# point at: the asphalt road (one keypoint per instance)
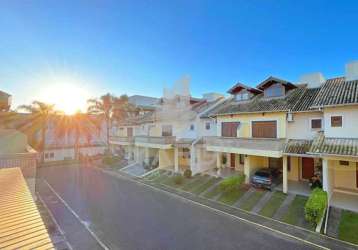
(128, 215)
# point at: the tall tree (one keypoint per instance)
(41, 112)
(76, 127)
(102, 106)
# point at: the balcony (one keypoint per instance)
(249, 146)
(163, 142)
(121, 140)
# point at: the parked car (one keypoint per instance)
(264, 178)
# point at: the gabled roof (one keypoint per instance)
(260, 104)
(337, 91)
(306, 100)
(270, 80)
(239, 86)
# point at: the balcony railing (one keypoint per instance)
(155, 139)
(121, 139)
(247, 143)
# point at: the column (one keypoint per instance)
(218, 159)
(136, 152)
(228, 160)
(176, 160)
(193, 160)
(284, 174)
(247, 169)
(325, 176)
(146, 155)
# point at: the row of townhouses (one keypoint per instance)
(302, 129)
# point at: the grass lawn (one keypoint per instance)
(230, 197)
(161, 178)
(203, 187)
(170, 182)
(196, 181)
(296, 210)
(249, 204)
(348, 227)
(216, 191)
(154, 174)
(273, 204)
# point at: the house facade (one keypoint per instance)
(302, 130)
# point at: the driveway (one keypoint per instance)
(127, 215)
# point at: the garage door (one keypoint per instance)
(264, 129)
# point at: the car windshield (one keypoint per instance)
(262, 174)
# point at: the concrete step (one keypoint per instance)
(284, 207)
(262, 202)
(334, 218)
(244, 197)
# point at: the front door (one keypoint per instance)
(232, 160)
(307, 168)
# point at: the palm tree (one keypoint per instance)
(79, 125)
(103, 107)
(41, 112)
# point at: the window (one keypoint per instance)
(336, 121)
(242, 96)
(167, 130)
(229, 129)
(52, 155)
(192, 127)
(264, 129)
(274, 90)
(129, 132)
(344, 163)
(46, 155)
(316, 123)
(207, 125)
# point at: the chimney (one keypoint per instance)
(212, 96)
(352, 71)
(314, 80)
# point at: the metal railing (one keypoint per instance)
(155, 139)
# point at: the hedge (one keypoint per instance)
(315, 206)
(231, 182)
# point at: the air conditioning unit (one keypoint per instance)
(290, 117)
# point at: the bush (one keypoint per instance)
(315, 206)
(231, 183)
(110, 160)
(178, 179)
(187, 173)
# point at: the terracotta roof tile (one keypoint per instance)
(337, 91)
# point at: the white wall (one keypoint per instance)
(349, 127)
(300, 128)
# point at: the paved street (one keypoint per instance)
(127, 215)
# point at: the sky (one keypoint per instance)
(89, 48)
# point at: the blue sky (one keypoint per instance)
(137, 47)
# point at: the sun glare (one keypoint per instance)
(67, 97)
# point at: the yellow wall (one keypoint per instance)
(294, 173)
(245, 122)
(155, 130)
(343, 176)
(166, 158)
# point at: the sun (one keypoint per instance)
(68, 97)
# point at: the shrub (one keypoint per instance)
(231, 183)
(187, 173)
(178, 179)
(315, 206)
